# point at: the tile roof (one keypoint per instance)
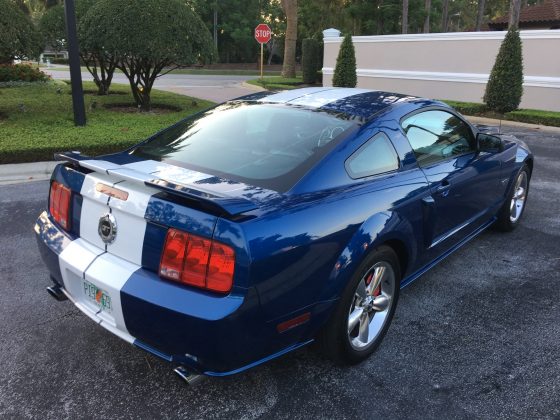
(548, 11)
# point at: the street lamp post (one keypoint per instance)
(74, 61)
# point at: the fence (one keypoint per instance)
(452, 65)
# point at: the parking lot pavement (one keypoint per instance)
(478, 336)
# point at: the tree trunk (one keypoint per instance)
(380, 27)
(289, 66)
(427, 7)
(405, 16)
(445, 15)
(480, 14)
(514, 9)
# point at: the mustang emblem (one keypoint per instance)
(107, 228)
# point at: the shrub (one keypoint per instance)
(21, 73)
(505, 86)
(18, 36)
(148, 38)
(310, 61)
(345, 70)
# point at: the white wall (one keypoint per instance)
(453, 65)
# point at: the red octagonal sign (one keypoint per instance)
(263, 33)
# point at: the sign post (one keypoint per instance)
(262, 35)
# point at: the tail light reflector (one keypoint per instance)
(197, 261)
(59, 204)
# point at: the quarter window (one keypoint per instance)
(437, 135)
(377, 156)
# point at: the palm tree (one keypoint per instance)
(290, 10)
(480, 14)
(514, 9)
(405, 16)
(427, 7)
(444, 15)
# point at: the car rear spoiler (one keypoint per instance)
(230, 206)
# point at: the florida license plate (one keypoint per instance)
(97, 296)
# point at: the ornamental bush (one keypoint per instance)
(18, 36)
(148, 37)
(310, 60)
(21, 73)
(505, 86)
(345, 70)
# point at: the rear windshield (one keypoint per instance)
(265, 145)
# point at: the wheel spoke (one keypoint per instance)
(378, 274)
(363, 333)
(354, 318)
(381, 303)
(361, 290)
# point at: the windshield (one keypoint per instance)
(266, 145)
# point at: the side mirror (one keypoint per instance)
(488, 143)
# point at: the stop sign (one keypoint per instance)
(262, 33)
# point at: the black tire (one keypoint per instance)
(505, 221)
(334, 339)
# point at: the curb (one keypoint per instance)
(252, 87)
(491, 121)
(15, 173)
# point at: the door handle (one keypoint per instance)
(443, 189)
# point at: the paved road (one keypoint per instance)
(477, 337)
(212, 88)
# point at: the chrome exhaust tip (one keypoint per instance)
(56, 292)
(189, 378)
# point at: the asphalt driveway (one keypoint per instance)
(477, 337)
(217, 88)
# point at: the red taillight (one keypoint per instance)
(197, 261)
(59, 204)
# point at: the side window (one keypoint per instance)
(437, 135)
(374, 157)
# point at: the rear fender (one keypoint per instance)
(375, 231)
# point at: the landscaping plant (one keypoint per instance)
(345, 70)
(18, 37)
(310, 60)
(149, 37)
(505, 86)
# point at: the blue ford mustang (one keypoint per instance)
(264, 223)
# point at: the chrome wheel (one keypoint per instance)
(371, 305)
(518, 198)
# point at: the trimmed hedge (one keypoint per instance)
(21, 73)
(310, 60)
(505, 86)
(533, 116)
(345, 70)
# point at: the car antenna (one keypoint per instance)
(500, 127)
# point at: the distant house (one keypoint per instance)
(545, 15)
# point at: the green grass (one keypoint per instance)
(531, 116)
(278, 83)
(36, 120)
(207, 72)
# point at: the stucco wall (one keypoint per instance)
(451, 65)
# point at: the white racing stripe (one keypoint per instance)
(94, 272)
(109, 274)
(94, 205)
(131, 225)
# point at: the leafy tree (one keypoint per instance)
(505, 86)
(51, 27)
(99, 62)
(18, 36)
(149, 37)
(345, 70)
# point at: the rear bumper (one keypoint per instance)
(213, 335)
